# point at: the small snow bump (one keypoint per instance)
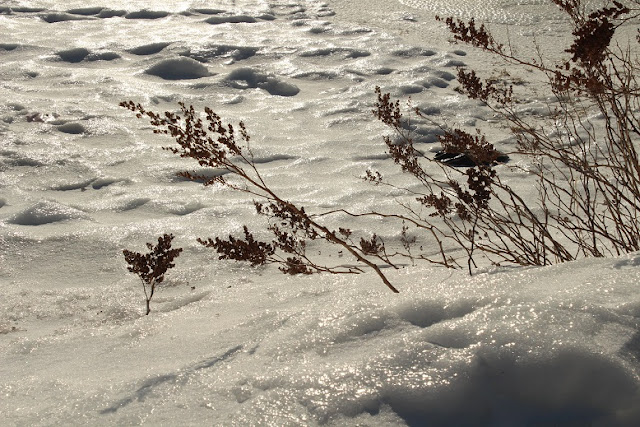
(8, 46)
(410, 89)
(149, 49)
(73, 128)
(74, 55)
(445, 75)
(103, 56)
(46, 212)
(453, 63)
(179, 69)
(52, 18)
(413, 52)
(248, 78)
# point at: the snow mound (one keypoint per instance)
(505, 348)
(179, 69)
(73, 128)
(9, 46)
(103, 56)
(248, 78)
(74, 55)
(47, 212)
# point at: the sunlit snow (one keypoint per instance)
(81, 179)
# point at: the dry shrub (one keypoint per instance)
(588, 177)
(213, 144)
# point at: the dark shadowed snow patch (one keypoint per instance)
(73, 55)
(99, 183)
(205, 11)
(52, 18)
(103, 56)
(110, 13)
(80, 185)
(179, 69)
(46, 212)
(247, 78)
(149, 49)
(26, 9)
(86, 11)
(413, 52)
(8, 46)
(233, 19)
(434, 81)
(410, 89)
(72, 128)
(316, 75)
(146, 14)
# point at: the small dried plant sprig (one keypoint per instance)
(152, 266)
(212, 144)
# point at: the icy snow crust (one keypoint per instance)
(225, 344)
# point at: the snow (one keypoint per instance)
(227, 344)
(179, 69)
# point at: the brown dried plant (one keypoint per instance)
(588, 178)
(212, 144)
(151, 267)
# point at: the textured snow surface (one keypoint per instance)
(225, 344)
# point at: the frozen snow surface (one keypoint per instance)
(226, 344)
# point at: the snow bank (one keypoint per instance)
(546, 346)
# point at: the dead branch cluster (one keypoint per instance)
(587, 176)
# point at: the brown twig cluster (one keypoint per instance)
(151, 267)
